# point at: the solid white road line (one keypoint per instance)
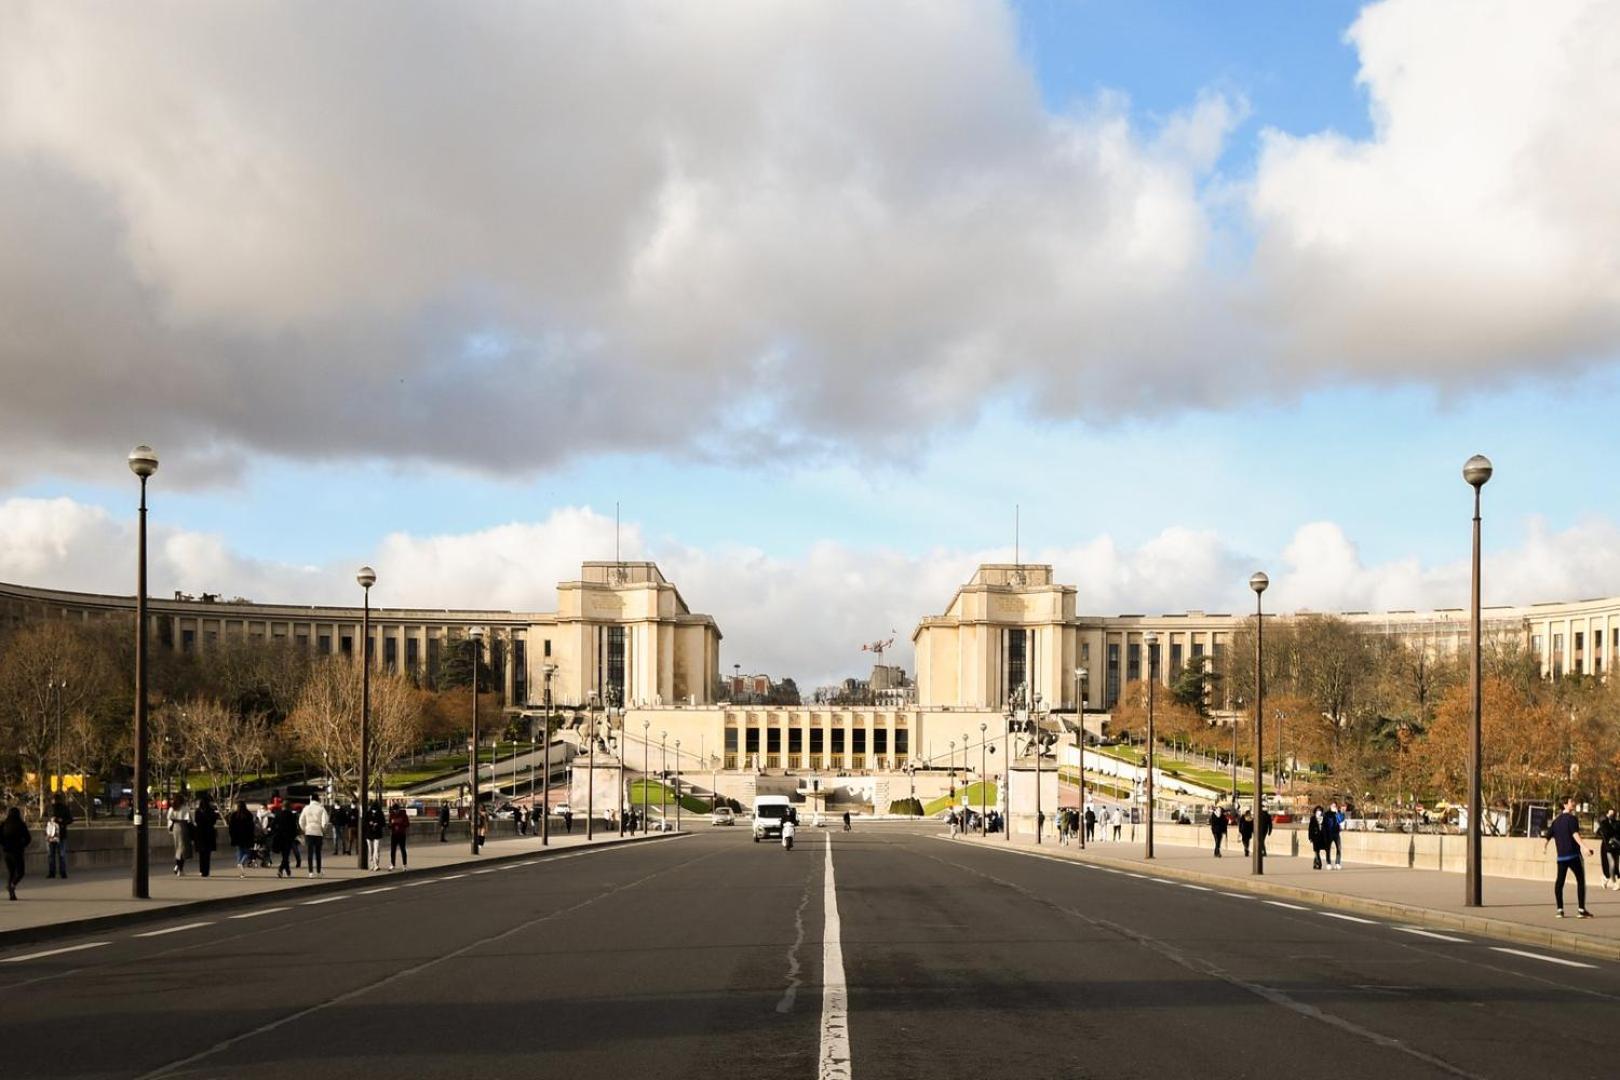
(261, 911)
(835, 1063)
(1432, 934)
(1539, 956)
(325, 900)
(174, 929)
(1349, 918)
(380, 888)
(54, 952)
(1290, 907)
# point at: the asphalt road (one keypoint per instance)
(707, 955)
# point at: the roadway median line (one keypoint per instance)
(256, 914)
(1285, 904)
(1432, 934)
(1349, 918)
(1539, 956)
(835, 1062)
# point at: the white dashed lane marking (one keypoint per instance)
(1290, 907)
(174, 929)
(378, 889)
(1432, 934)
(324, 900)
(261, 911)
(1539, 956)
(54, 952)
(1349, 918)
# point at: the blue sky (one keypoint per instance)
(1241, 306)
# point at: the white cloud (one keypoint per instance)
(1474, 231)
(805, 616)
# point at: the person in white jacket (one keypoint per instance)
(313, 822)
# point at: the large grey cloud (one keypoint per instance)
(498, 235)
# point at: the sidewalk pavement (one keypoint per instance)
(1514, 910)
(91, 900)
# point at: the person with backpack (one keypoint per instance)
(182, 828)
(399, 833)
(14, 841)
(372, 827)
(312, 822)
(240, 827)
(205, 838)
(57, 847)
(283, 836)
(1246, 830)
(1608, 830)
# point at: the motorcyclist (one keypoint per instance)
(788, 829)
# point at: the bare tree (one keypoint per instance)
(325, 722)
(49, 672)
(227, 744)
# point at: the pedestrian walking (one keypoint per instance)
(1091, 823)
(1565, 831)
(568, 820)
(950, 819)
(1335, 824)
(205, 822)
(1264, 830)
(372, 828)
(339, 815)
(444, 822)
(182, 829)
(351, 828)
(1608, 830)
(240, 827)
(1217, 827)
(1316, 831)
(846, 821)
(1246, 830)
(283, 836)
(57, 849)
(481, 823)
(14, 841)
(1116, 818)
(399, 832)
(312, 822)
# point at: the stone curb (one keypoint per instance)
(1499, 929)
(28, 935)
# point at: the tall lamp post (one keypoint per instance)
(143, 462)
(663, 778)
(477, 636)
(1006, 774)
(1034, 713)
(984, 781)
(1258, 581)
(1080, 745)
(677, 785)
(590, 769)
(950, 770)
(1151, 640)
(367, 577)
(545, 783)
(1477, 471)
(646, 737)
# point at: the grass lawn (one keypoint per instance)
(663, 797)
(977, 794)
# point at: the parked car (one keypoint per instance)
(722, 816)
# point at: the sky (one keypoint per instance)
(820, 295)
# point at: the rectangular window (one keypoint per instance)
(1154, 654)
(838, 740)
(325, 641)
(301, 639)
(859, 735)
(210, 636)
(795, 740)
(432, 676)
(391, 654)
(751, 741)
(880, 741)
(411, 657)
(615, 663)
(1198, 650)
(346, 644)
(902, 741)
(731, 740)
(1580, 642)
(188, 640)
(520, 670)
(1085, 652)
(1175, 659)
(817, 741)
(1016, 667)
(1133, 662)
(773, 740)
(1113, 674)
(548, 647)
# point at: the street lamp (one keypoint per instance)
(677, 785)
(984, 782)
(590, 768)
(663, 779)
(367, 577)
(477, 636)
(1151, 640)
(965, 793)
(1034, 713)
(646, 724)
(143, 462)
(950, 771)
(545, 797)
(1080, 744)
(1006, 773)
(1258, 581)
(1477, 471)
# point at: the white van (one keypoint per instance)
(769, 813)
